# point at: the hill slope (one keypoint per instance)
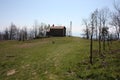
(65, 58)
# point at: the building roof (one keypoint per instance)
(57, 27)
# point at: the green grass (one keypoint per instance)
(66, 59)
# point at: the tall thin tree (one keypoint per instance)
(91, 38)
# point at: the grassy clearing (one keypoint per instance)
(65, 59)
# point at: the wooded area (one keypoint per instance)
(104, 26)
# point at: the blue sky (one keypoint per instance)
(58, 12)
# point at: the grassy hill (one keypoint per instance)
(59, 58)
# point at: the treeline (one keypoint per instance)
(16, 33)
(104, 26)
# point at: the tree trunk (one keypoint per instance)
(87, 34)
(96, 31)
(100, 38)
(91, 62)
(118, 35)
(103, 42)
(99, 43)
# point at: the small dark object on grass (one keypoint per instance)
(53, 42)
(10, 56)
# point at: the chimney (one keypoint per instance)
(53, 25)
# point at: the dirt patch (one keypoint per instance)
(115, 51)
(26, 66)
(46, 72)
(11, 72)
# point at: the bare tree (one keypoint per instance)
(104, 19)
(12, 31)
(115, 23)
(91, 37)
(1, 36)
(23, 35)
(41, 28)
(44, 29)
(104, 34)
(117, 6)
(85, 22)
(100, 26)
(31, 34)
(96, 23)
(116, 18)
(6, 34)
(35, 28)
